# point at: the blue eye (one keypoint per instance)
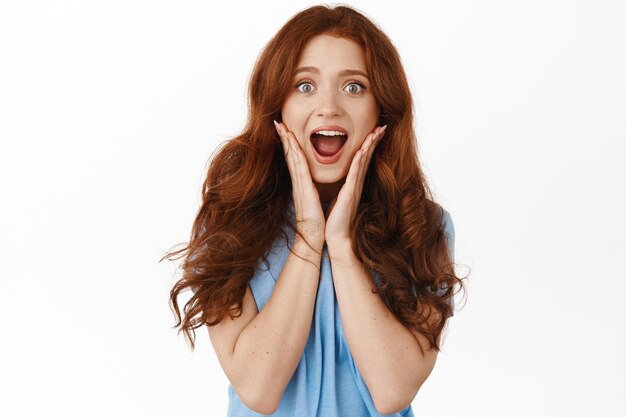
(362, 87)
(359, 84)
(303, 83)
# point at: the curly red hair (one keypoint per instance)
(399, 230)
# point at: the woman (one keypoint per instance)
(344, 314)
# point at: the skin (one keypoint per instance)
(328, 98)
(261, 358)
(388, 355)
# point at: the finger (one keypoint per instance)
(305, 172)
(353, 173)
(291, 161)
(281, 137)
(298, 164)
(364, 159)
(358, 188)
(297, 175)
(289, 156)
(375, 140)
(374, 143)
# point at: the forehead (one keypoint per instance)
(325, 51)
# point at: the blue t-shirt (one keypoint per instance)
(326, 382)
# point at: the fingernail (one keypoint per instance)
(280, 130)
(379, 134)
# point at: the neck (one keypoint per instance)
(329, 191)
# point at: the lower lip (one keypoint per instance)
(328, 159)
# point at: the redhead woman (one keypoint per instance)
(318, 260)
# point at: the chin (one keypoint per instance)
(331, 177)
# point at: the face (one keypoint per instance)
(321, 95)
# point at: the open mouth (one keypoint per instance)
(328, 145)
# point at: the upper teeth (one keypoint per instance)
(330, 132)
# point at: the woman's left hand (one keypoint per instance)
(342, 209)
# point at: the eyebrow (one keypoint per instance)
(341, 73)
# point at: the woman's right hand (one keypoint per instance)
(310, 219)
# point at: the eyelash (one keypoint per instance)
(351, 82)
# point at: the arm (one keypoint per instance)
(262, 359)
(386, 352)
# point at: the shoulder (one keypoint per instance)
(448, 228)
(448, 224)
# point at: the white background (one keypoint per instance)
(110, 110)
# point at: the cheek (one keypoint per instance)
(292, 117)
(361, 140)
(297, 132)
(367, 121)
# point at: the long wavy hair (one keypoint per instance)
(398, 231)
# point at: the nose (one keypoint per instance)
(329, 105)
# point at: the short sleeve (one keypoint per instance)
(448, 227)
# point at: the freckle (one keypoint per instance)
(267, 353)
